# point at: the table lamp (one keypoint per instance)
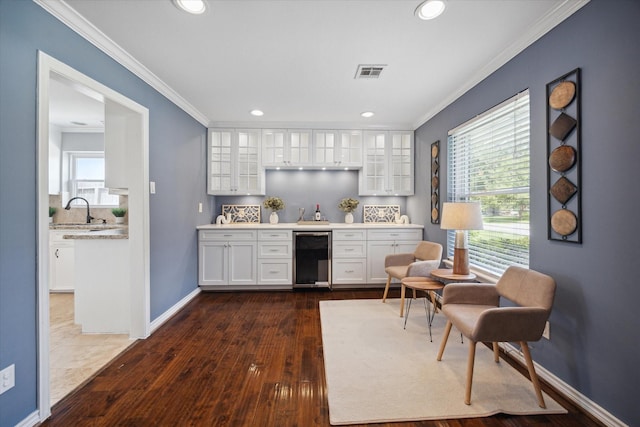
(461, 216)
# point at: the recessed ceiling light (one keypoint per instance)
(367, 114)
(257, 113)
(430, 9)
(195, 7)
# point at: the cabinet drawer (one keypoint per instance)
(349, 271)
(228, 235)
(275, 249)
(397, 234)
(267, 235)
(349, 235)
(275, 272)
(343, 249)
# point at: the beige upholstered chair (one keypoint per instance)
(425, 258)
(474, 309)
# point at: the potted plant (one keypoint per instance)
(52, 212)
(275, 204)
(348, 205)
(119, 213)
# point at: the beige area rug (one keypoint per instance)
(378, 372)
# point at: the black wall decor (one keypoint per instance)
(435, 182)
(564, 207)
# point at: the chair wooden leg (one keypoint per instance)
(472, 357)
(496, 352)
(386, 289)
(403, 290)
(445, 337)
(532, 373)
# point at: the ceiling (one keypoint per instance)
(296, 59)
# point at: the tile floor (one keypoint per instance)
(75, 356)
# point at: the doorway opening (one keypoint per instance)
(128, 126)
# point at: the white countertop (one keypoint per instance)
(296, 226)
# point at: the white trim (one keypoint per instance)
(553, 18)
(31, 420)
(139, 222)
(72, 19)
(160, 320)
(566, 390)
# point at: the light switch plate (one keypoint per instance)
(7, 378)
(152, 187)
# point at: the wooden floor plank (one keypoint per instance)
(238, 359)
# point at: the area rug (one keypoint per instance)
(376, 371)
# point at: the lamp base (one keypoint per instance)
(460, 261)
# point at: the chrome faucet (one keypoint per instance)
(89, 217)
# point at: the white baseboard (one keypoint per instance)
(33, 419)
(159, 321)
(580, 400)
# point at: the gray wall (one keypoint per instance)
(176, 153)
(305, 189)
(595, 319)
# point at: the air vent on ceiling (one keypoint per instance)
(368, 71)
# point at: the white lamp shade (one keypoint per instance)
(461, 216)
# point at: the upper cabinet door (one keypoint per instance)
(299, 146)
(250, 173)
(349, 153)
(234, 162)
(121, 127)
(388, 164)
(273, 147)
(325, 146)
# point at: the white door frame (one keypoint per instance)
(138, 218)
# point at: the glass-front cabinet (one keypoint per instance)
(234, 162)
(388, 164)
(286, 148)
(337, 148)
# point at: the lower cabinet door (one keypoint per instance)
(213, 262)
(242, 263)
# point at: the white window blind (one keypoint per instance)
(488, 162)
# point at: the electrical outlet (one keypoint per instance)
(545, 333)
(7, 378)
(200, 207)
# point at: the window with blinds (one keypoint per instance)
(488, 162)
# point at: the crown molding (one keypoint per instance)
(72, 19)
(552, 19)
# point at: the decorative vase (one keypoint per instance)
(348, 218)
(273, 218)
(50, 220)
(119, 220)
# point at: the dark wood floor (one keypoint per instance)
(236, 359)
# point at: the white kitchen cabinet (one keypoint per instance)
(286, 148)
(61, 262)
(383, 242)
(388, 164)
(337, 148)
(235, 162)
(275, 258)
(227, 258)
(349, 257)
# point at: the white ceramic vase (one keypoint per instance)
(273, 218)
(348, 218)
(119, 220)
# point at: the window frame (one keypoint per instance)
(505, 239)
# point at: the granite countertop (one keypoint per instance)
(92, 231)
(308, 225)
